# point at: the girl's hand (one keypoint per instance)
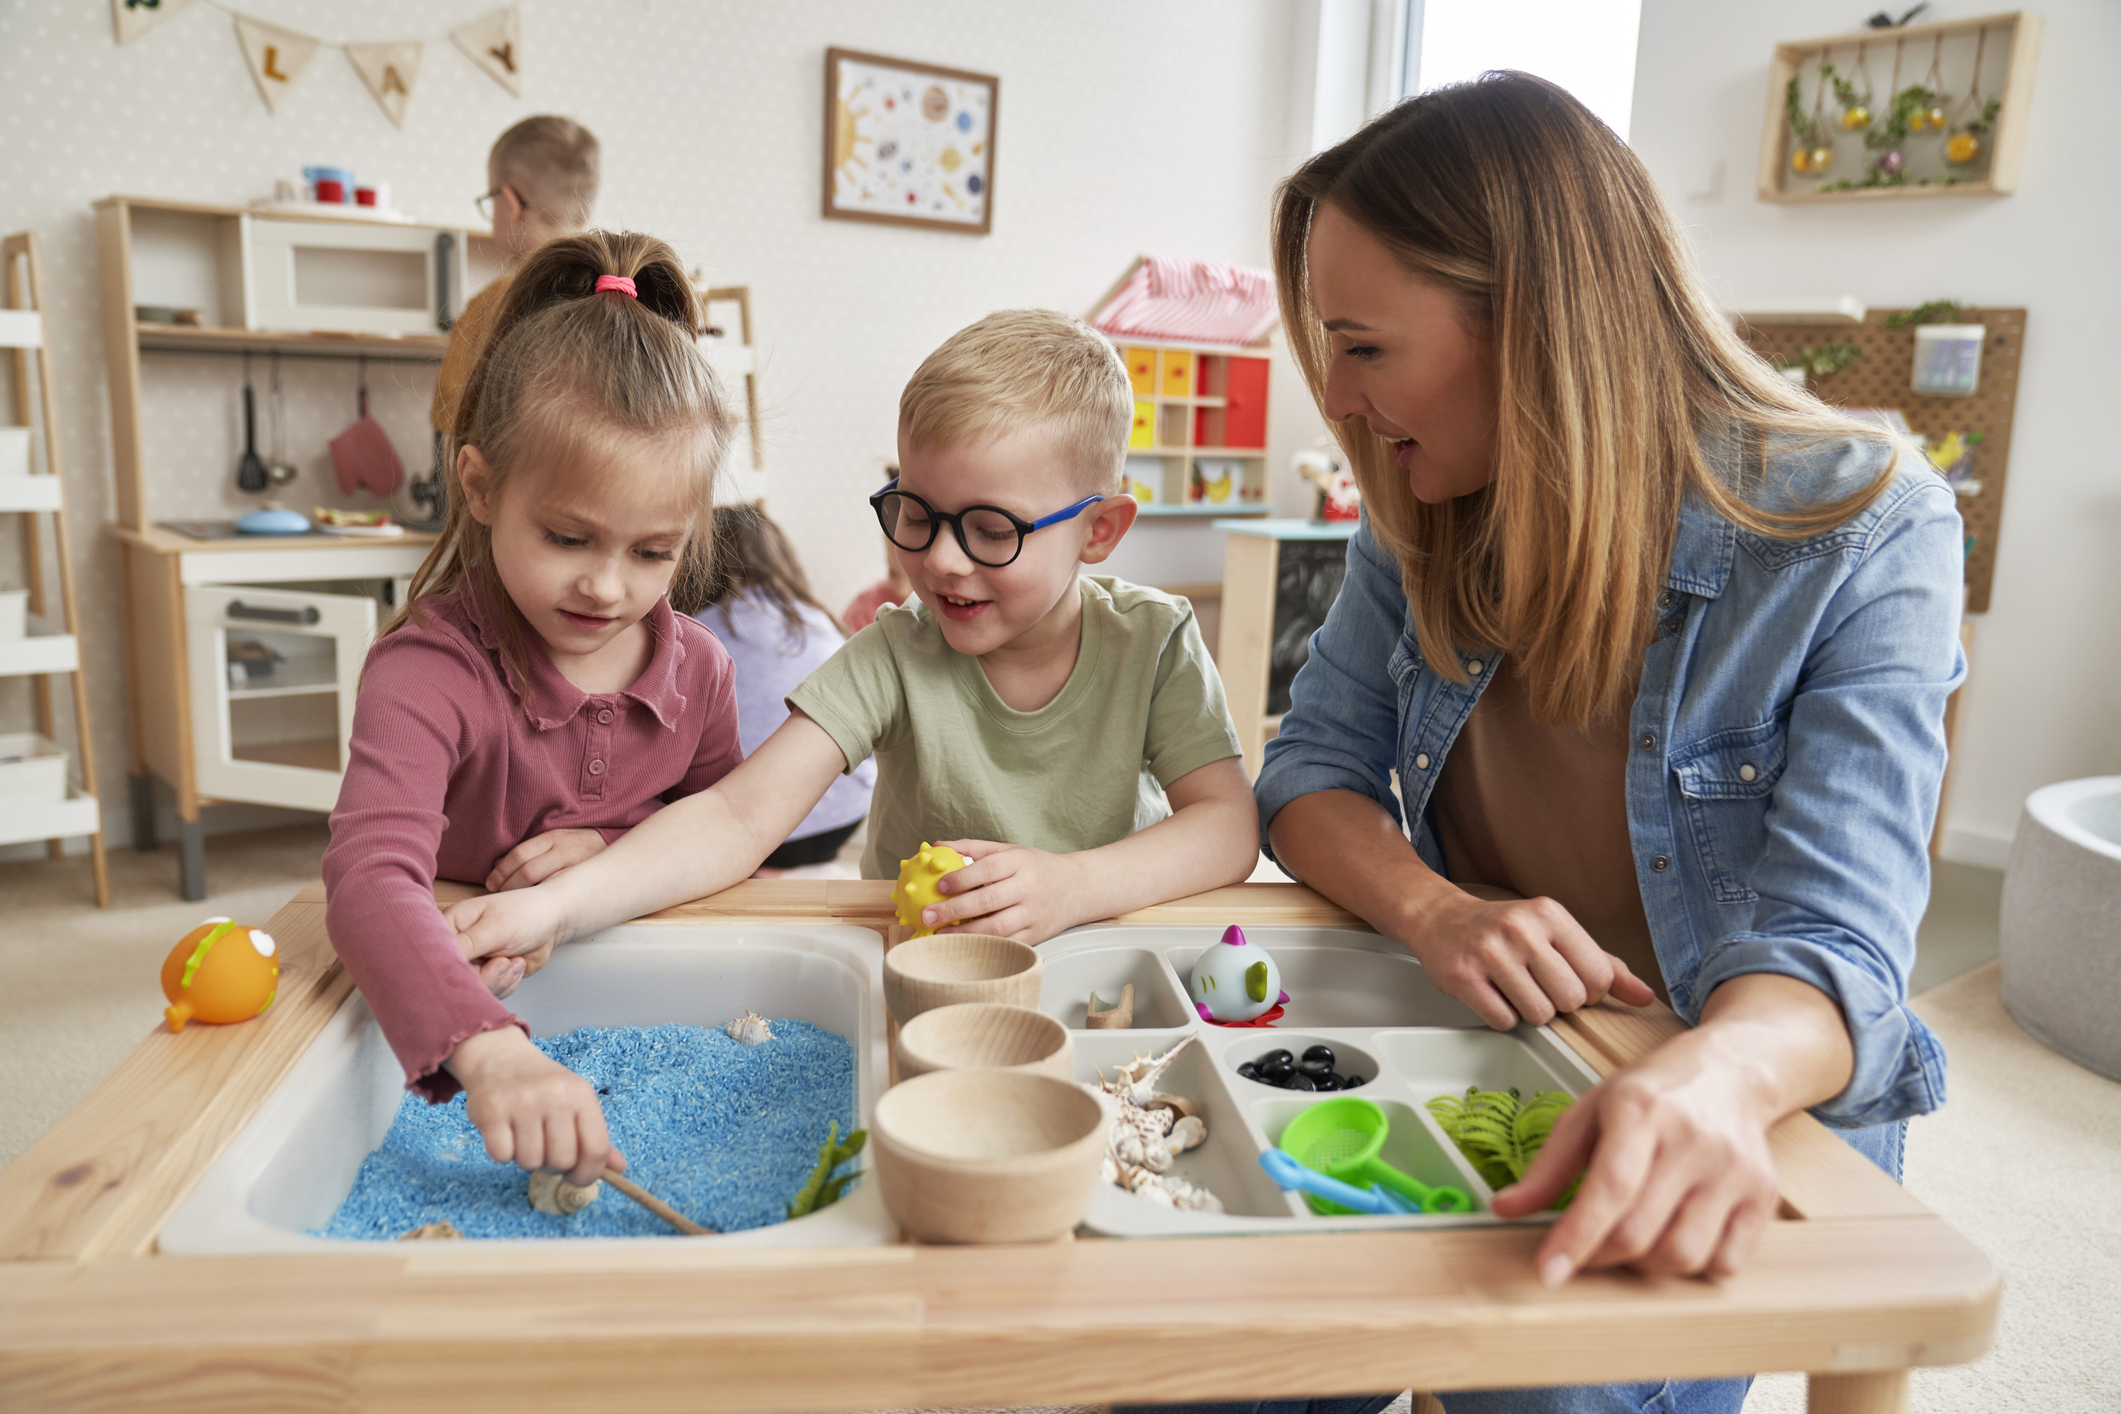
(541, 856)
(1524, 959)
(506, 936)
(1008, 890)
(532, 1110)
(1677, 1174)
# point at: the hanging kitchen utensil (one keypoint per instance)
(363, 456)
(251, 477)
(277, 466)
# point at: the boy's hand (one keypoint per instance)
(1007, 890)
(506, 936)
(541, 856)
(532, 1110)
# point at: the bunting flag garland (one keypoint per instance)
(277, 57)
(494, 42)
(390, 71)
(133, 18)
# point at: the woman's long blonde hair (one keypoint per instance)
(1613, 368)
(566, 365)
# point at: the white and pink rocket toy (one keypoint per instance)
(1235, 981)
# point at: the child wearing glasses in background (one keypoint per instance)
(1066, 732)
(541, 180)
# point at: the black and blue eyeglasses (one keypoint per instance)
(988, 535)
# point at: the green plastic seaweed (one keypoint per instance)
(822, 1189)
(1499, 1130)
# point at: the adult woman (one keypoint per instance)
(1651, 639)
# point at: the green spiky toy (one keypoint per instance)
(822, 1190)
(1500, 1131)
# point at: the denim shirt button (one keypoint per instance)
(1648, 741)
(1421, 761)
(1664, 599)
(1473, 667)
(1660, 863)
(1747, 772)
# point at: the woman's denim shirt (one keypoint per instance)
(1786, 747)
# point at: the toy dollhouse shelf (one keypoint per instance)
(177, 338)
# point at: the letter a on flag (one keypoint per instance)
(390, 71)
(494, 41)
(276, 57)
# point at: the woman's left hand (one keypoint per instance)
(1677, 1178)
(1007, 890)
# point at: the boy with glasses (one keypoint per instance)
(1065, 732)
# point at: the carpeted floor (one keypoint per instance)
(2026, 1159)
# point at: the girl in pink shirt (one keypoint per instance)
(544, 689)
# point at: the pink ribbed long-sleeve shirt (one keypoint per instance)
(447, 773)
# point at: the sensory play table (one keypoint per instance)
(1854, 1283)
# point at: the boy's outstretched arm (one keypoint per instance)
(1211, 839)
(691, 848)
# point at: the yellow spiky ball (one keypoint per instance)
(917, 880)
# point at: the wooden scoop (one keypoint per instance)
(551, 1193)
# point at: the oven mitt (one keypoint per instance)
(364, 459)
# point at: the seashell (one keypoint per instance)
(1156, 1158)
(552, 1193)
(1188, 1133)
(1178, 1104)
(749, 1029)
(1117, 1017)
(430, 1232)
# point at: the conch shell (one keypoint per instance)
(1149, 1131)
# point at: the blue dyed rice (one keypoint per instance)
(724, 1133)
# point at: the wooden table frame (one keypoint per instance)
(1855, 1283)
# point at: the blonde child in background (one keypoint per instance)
(777, 634)
(541, 184)
(538, 685)
(1066, 732)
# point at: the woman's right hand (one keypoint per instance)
(1515, 959)
(531, 1110)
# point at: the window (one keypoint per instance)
(1586, 46)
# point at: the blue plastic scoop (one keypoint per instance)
(1291, 1176)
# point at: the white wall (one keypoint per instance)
(1124, 128)
(2044, 700)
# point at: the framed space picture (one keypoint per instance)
(909, 144)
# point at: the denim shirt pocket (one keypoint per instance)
(1728, 782)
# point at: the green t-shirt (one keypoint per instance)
(1143, 707)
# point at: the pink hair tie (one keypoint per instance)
(616, 282)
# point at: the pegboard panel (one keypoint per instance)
(1881, 379)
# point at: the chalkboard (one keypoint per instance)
(1306, 583)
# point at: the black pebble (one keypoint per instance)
(1328, 1082)
(1350, 1082)
(1316, 1069)
(1320, 1053)
(1249, 1071)
(1273, 1059)
(1299, 1081)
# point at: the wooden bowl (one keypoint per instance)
(944, 969)
(984, 1036)
(988, 1155)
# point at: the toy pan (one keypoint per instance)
(1361, 994)
(294, 1163)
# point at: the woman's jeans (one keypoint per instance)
(1882, 1144)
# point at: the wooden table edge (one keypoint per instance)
(79, 1210)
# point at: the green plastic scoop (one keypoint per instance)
(1342, 1139)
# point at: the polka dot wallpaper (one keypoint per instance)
(1123, 128)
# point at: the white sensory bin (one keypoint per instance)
(289, 1168)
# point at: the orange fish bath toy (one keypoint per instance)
(220, 972)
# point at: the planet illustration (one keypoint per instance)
(935, 104)
(974, 185)
(964, 122)
(949, 160)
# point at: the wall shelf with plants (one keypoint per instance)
(1914, 111)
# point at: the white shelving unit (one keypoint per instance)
(39, 804)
